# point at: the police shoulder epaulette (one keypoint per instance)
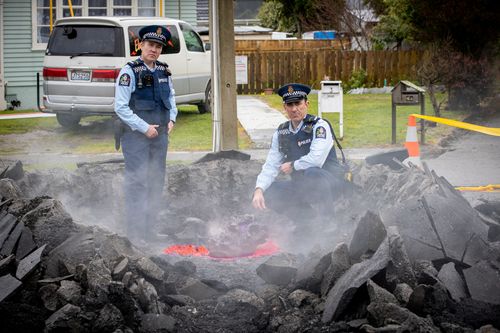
(137, 66)
(284, 125)
(161, 63)
(163, 67)
(135, 63)
(311, 119)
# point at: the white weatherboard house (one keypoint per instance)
(25, 29)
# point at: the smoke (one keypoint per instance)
(204, 204)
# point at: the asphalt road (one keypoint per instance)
(473, 159)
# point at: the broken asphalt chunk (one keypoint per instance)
(346, 286)
(8, 285)
(11, 241)
(29, 263)
(483, 282)
(279, 269)
(7, 223)
(453, 282)
(340, 263)
(369, 233)
(25, 244)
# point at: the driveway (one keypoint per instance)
(472, 160)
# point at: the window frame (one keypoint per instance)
(58, 6)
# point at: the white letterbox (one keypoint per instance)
(330, 99)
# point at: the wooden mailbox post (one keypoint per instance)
(407, 93)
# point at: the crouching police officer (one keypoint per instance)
(303, 148)
(145, 103)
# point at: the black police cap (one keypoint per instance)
(155, 33)
(294, 92)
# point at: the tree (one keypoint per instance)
(393, 27)
(271, 16)
(471, 27)
(462, 38)
(287, 15)
(310, 15)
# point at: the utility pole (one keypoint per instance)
(224, 117)
(3, 104)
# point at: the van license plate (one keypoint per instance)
(80, 76)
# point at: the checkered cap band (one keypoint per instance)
(295, 94)
(154, 35)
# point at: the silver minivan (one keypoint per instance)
(84, 56)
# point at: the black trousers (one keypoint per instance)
(309, 193)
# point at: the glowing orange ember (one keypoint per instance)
(265, 249)
(187, 250)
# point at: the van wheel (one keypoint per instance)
(206, 105)
(68, 120)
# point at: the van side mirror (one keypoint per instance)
(208, 46)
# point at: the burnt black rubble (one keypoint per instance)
(404, 252)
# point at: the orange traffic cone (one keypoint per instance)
(411, 143)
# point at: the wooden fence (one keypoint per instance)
(273, 69)
(243, 46)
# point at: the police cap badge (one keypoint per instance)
(293, 92)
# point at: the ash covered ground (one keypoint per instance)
(402, 252)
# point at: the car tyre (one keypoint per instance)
(205, 106)
(68, 120)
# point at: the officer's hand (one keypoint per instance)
(151, 133)
(170, 126)
(286, 168)
(258, 200)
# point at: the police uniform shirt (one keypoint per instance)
(122, 99)
(320, 148)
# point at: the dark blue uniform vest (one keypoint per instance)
(150, 100)
(296, 145)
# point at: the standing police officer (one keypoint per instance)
(145, 102)
(303, 148)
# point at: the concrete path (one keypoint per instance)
(472, 160)
(259, 120)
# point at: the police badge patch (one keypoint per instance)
(320, 132)
(124, 80)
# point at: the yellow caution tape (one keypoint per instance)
(486, 188)
(482, 129)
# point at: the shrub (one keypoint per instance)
(357, 80)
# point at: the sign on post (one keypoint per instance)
(241, 62)
(330, 99)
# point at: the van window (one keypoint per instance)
(88, 40)
(173, 45)
(193, 41)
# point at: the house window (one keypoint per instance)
(61, 8)
(146, 8)
(76, 5)
(98, 7)
(122, 7)
(43, 20)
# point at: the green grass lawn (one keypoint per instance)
(17, 111)
(368, 119)
(367, 123)
(192, 131)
